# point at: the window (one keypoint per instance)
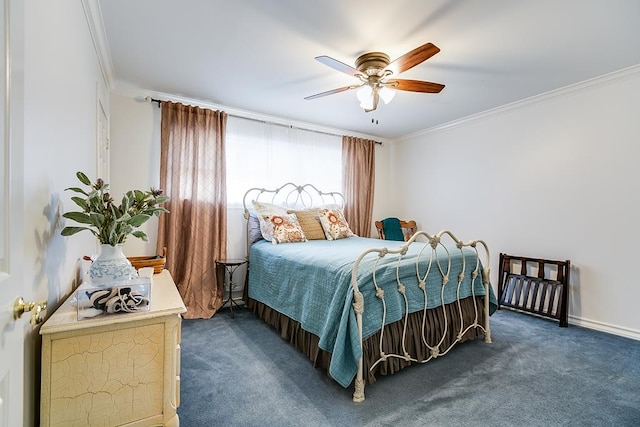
(269, 155)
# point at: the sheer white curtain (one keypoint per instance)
(268, 155)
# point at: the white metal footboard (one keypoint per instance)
(440, 264)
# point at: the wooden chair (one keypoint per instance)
(544, 294)
(408, 229)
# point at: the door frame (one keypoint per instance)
(17, 406)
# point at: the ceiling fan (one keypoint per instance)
(376, 73)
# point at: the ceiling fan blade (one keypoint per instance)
(413, 58)
(337, 65)
(330, 92)
(414, 85)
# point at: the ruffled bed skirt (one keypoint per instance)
(307, 342)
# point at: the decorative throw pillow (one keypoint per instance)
(333, 223)
(310, 223)
(267, 210)
(286, 229)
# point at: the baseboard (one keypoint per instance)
(605, 327)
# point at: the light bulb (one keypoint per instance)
(364, 94)
(386, 94)
(367, 105)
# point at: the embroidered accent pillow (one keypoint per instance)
(310, 223)
(333, 223)
(265, 210)
(286, 229)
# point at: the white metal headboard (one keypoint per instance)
(291, 196)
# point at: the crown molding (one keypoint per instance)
(602, 80)
(99, 37)
(145, 95)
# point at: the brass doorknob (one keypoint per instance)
(20, 306)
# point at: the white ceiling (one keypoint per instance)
(258, 55)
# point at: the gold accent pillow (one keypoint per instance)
(310, 223)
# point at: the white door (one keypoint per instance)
(12, 332)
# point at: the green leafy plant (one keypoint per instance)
(109, 222)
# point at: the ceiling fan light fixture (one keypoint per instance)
(367, 105)
(373, 69)
(365, 94)
(386, 94)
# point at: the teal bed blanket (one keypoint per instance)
(310, 282)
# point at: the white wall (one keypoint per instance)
(135, 159)
(552, 177)
(62, 76)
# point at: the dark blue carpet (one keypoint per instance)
(239, 372)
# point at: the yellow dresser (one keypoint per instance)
(118, 369)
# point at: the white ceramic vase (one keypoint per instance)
(110, 267)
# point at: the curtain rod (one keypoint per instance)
(268, 122)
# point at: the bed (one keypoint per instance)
(360, 307)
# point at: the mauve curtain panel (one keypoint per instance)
(358, 180)
(192, 173)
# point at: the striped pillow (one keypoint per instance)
(310, 223)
